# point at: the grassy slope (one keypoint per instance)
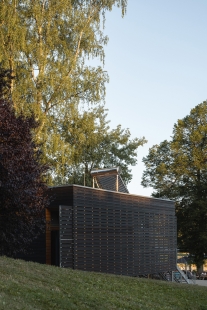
(33, 286)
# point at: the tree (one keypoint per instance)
(177, 169)
(46, 44)
(94, 145)
(22, 193)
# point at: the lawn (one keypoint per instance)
(27, 286)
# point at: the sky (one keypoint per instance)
(156, 59)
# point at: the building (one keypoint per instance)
(108, 231)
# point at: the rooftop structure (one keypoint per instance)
(109, 179)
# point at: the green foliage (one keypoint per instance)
(46, 45)
(178, 170)
(92, 144)
(25, 285)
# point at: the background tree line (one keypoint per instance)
(177, 169)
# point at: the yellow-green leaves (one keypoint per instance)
(46, 45)
(93, 144)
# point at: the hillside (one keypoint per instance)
(33, 286)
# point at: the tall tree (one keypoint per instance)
(178, 170)
(22, 193)
(94, 145)
(46, 44)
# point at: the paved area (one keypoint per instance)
(201, 282)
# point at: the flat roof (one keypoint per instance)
(100, 189)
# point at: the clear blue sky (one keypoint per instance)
(157, 63)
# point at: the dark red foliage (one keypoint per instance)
(22, 192)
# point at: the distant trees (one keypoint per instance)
(177, 169)
(92, 144)
(22, 192)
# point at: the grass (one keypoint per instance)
(26, 285)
